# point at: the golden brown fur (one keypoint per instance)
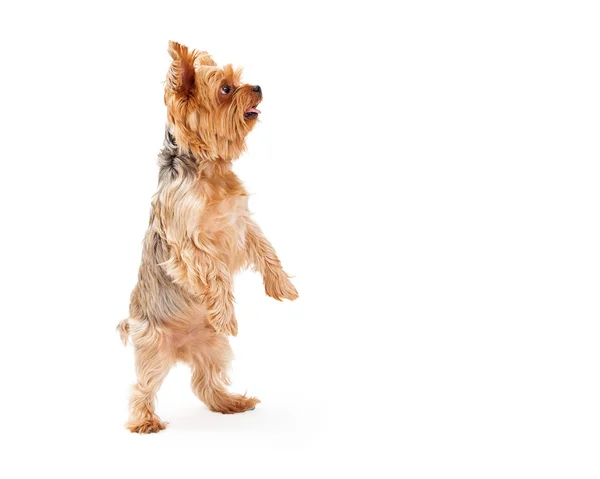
(200, 234)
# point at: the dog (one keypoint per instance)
(199, 235)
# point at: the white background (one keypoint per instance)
(428, 171)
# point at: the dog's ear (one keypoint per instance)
(181, 78)
(203, 58)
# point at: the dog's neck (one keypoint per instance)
(204, 150)
(208, 164)
(216, 170)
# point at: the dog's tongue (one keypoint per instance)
(252, 110)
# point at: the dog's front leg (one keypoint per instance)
(262, 255)
(218, 294)
(202, 274)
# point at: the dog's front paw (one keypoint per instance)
(225, 323)
(280, 287)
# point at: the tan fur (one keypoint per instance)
(200, 234)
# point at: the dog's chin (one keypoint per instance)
(251, 113)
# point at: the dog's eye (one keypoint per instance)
(226, 90)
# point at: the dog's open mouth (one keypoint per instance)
(251, 113)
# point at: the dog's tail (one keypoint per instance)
(123, 329)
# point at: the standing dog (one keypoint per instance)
(200, 234)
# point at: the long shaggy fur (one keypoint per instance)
(200, 234)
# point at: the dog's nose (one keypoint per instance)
(257, 89)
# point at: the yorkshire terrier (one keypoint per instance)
(200, 234)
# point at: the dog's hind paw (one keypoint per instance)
(233, 403)
(146, 426)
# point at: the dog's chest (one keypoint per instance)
(229, 215)
(225, 223)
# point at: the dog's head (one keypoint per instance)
(210, 111)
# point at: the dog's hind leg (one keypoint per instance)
(152, 363)
(210, 362)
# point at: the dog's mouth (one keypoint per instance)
(251, 113)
